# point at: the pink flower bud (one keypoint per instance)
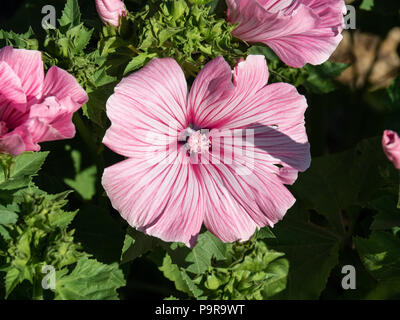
(110, 11)
(391, 147)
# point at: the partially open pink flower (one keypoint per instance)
(391, 147)
(219, 155)
(34, 108)
(299, 31)
(110, 11)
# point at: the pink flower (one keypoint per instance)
(178, 176)
(391, 147)
(299, 31)
(34, 108)
(110, 11)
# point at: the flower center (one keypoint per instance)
(197, 142)
(3, 128)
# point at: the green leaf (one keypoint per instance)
(12, 279)
(193, 287)
(25, 166)
(7, 217)
(320, 77)
(265, 233)
(388, 215)
(213, 5)
(81, 37)
(172, 272)
(311, 250)
(99, 232)
(336, 182)
(71, 15)
(265, 51)
(84, 183)
(101, 78)
(22, 41)
(276, 279)
(200, 2)
(208, 246)
(380, 254)
(138, 61)
(394, 93)
(90, 280)
(367, 5)
(95, 108)
(328, 194)
(136, 244)
(85, 180)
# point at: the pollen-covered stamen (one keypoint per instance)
(197, 141)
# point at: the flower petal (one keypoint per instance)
(148, 109)
(276, 116)
(212, 86)
(28, 66)
(256, 185)
(12, 144)
(162, 200)
(249, 76)
(59, 83)
(224, 216)
(314, 47)
(51, 120)
(299, 32)
(11, 91)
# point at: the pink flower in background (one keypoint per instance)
(391, 147)
(110, 11)
(154, 117)
(298, 31)
(34, 108)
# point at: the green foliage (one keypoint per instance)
(214, 270)
(137, 244)
(67, 47)
(39, 237)
(316, 79)
(18, 172)
(380, 255)
(24, 41)
(388, 215)
(331, 196)
(394, 93)
(367, 5)
(188, 33)
(71, 15)
(90, 280)
(85, 180)
(34, 233)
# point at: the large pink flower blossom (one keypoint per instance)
(391, 147)
(111, 11)
(175, 177)
(299, 31)
(34, 108)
